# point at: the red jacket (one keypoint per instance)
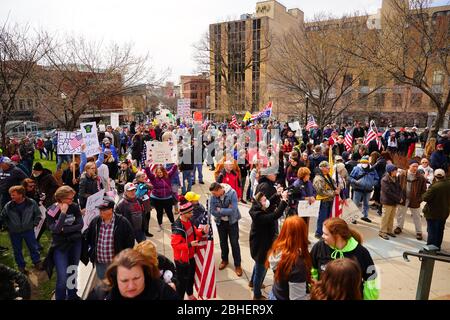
(182, 234)
(231, 179)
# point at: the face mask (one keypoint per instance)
(267, 204)
(365, 165)
(35, 175)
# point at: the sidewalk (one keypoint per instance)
(398, 278)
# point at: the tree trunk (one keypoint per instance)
(438, 122)
(3, 133)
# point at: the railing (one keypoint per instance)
(428, 255)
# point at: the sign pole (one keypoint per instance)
(73, 161)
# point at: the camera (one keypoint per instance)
(295, 192)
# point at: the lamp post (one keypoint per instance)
(306, 109)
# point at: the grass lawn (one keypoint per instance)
(51, 165)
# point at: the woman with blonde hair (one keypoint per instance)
(290, 261)
(430, 147)
(90, 183)
(339, 241)
(341, 280)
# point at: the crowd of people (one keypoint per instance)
(266, 164)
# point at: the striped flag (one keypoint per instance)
(266, 113)
(76, 141)
(205, 268)
(311, 123)
(348, 141)
(233, 124)
(372, 134)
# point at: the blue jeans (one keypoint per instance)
(187, 176)
(258, 275)
(272, 296)
(435, 229)
(32, 244)
(100, 269)
(198, 167)
(364, 197)
(324, 213)
(230, 231)
(63, 260)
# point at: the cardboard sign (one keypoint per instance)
(69, 142)
(350, 212)
(184, 108)
(91, 212)
(90, 137)
(114, 120)
(162, 152)
(308, 210)
(294, 126)
(38, 228)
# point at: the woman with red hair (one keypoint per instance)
(290, 261)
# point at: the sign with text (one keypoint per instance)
(184, 108)
(350, 212)
(308, 210)
(162, 152)
(114, 120)
(294, 126)
(69, 142)
(91, 212)
(90, 137)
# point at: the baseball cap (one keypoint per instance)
(192, 196)
(130, 186)
(338, 158)
(108, 203)
(106, 140)
(439, 173)
(324, 164)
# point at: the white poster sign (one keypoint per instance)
(38, 228)
(102, 127)
(184, 108)
(350, 212)
(162, 152)
(91, 212)
(308, 210)
(69, 142)
(90, 137)
(294, 126)
(114, 120)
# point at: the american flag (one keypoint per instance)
(372, 134)
(76, 141)
(348, 141)
(311, 123)
(266, 113)
(205, 268)
(233, 124)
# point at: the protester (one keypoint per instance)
(130, 208)
(71, 178)
(340, 241)
(45, 182)
(89, 184)
(391, 197)
(262, 234)
(124, 176)
(224, 207)
(107, 235)
(439, 159)
(428, 171)
(10, 176)
(290, 262)
(231, 177)
(143, 191)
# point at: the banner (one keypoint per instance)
(184, 108)
(91, 212)
(38, 228)
(69, 142)
(114, 120)
(90, 137)
(162, 152)
(308, 210)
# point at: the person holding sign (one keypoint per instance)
(90, 183)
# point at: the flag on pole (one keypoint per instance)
(311, 123)
(336, 210)
(266, 113)
(205, 269)
(76, 141)
(233, 124)
(372, 134)
(348, 141)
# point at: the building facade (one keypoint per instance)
(197, 89)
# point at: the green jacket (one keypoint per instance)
(437, 200)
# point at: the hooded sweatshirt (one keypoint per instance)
(321, 254)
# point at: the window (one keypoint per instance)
(438, 81)
(21, 105)
(397, 99)
(348, 80)
(379, 99)
(363, 82)
(30, 104)
(363, 99)
(194, 95)
(416, 100)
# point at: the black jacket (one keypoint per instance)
(20, 221)
(267, 187)
(88, 187)
(262, 231)
(13, 284)
(391, 192)
(123, 238)
(13, 177)
(46, 183)
(66, 229)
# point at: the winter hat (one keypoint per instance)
(345, 155)
(364, 159)
(413, 162)
(390, 168)
(186, 208)
(38, 167)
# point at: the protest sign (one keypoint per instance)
(91, 212)
(114, 120)
(102, 127)
(294, 126)
(89, 131)
(162, 152)
(38, 228)
(184, 108)
(350, 212)
(69, 142)
(308, 210)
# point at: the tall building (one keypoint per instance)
(241, 57)
(196, 88)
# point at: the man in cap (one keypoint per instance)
(18, 163)
(413, 185)
(107, 235)
(45, 182)
(437, 208)
(10, 176)
(438, 159)
(130, 207)
(326, 191)
(363, 179)
(108, 145)
(390, 198)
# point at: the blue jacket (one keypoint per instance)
(438, 160)
(363, 180)
(228, 206)
(83, 158)
(113, 151)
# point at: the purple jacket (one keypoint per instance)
(291, 174)
(162, 187)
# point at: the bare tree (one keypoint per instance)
(228, 52)
(312, 70)
(412, 47)
(78, 76)
(20, 51)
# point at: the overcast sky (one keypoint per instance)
(166, 29)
